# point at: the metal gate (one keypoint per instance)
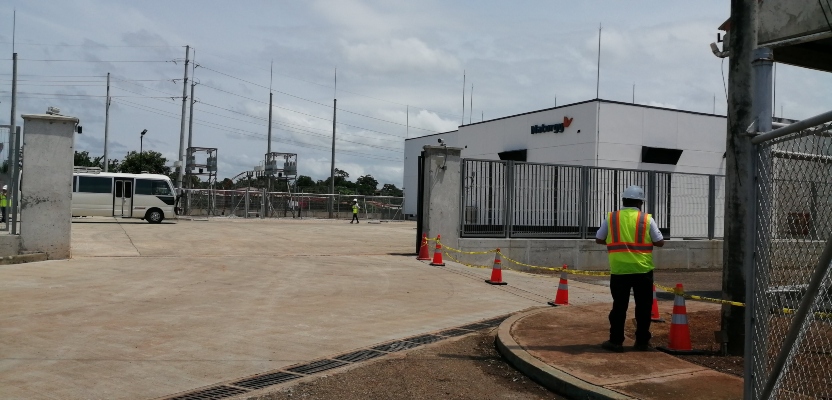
(790, 285)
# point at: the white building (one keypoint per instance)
(598, 133)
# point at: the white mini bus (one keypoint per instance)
(146, 196)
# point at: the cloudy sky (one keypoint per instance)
(399, 67)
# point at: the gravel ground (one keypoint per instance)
(461, 368)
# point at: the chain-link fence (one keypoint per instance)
(791, 355)
(255, 203)
(530, 200)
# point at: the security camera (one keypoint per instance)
(440, 141)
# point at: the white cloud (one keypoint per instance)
(399, 55)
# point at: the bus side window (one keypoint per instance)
(161, 188)
(144, 186)
(95, 184)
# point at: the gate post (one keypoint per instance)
(508, 216)
(442, 192)
(46, 183)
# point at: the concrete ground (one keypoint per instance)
(145, 311)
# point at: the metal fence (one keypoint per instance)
(790, 285)
(528, 200)
(255, 203)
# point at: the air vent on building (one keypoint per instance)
(658, 155)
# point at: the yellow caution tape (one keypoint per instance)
(568, 271)
(700, 298)
(466, 264)
(444, 246)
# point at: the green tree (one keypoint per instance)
(366, 185)
(304, 181)
(150, 161)
(390, 189)
(83, 159)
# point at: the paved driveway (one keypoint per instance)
(144, 311)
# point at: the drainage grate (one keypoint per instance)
(360, 355)
(317, 366)
(493, 322)
(454, 332)
(474, 327)
(425, 339)
(261, 381)
(211, 393)
(396, 346)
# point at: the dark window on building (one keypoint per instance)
(153, 187)
(95, 184)
(513, 155)
(74, 183)
(658, 155)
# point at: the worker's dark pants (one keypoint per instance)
(642, 286)
(354, 218)
(4, 214)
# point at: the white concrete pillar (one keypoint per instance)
(46, 185)
(443, 187)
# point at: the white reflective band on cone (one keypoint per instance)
(679, 319)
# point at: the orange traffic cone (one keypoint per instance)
(437, 254)
(654, 314)
(679, 341)
(424, 252)
(562, 295)
(496, 271)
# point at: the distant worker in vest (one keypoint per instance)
(630, 235)
(355, 209)
(4, 202)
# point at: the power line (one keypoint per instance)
(330, 87)
(311, 101)
(303, 113)
(288, 125)
(83, 45)
(292, 129)
(260, 135)
(83, 95)
(92, 61)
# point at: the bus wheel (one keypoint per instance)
(154, 216)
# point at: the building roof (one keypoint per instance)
(574, 104)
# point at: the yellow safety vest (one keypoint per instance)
(355, 208)
(628, 242)
(4, 202)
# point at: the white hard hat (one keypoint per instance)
(633, 192)
(5, 187)
(355, 200)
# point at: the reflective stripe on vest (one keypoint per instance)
(355, 208)
(629, 244)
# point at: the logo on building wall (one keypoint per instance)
(556, 128)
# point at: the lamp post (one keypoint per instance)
(141, 149)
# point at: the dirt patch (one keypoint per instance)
(464, 368)
(702, 325)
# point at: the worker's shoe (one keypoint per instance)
(641, 347)
(607, 345)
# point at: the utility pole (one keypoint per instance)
(181, 154)
(14, 148)
(271, 98)
(190, 153)
(107, 126)
(463, 98)
(598, 72)
(407, 122)
(471, 108)
(739, 173)
(332, 161)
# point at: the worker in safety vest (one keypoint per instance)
(355, 209)
(630, 235)
(4, 202)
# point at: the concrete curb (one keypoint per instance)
(551, 378)
(23, 258)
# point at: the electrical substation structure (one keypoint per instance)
(207, 168)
